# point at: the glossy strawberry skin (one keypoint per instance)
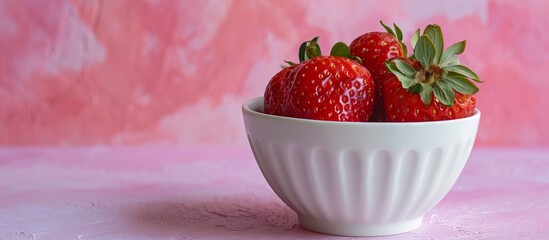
(330, 88)
(404, 106)
(276, 91)
(322, 88)
(374, 48)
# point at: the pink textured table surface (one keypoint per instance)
(219, 193)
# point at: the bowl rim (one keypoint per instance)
(248, 108)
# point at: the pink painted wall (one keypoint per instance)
(175, 72)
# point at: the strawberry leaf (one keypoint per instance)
(425, 51)
(426, 94)
(404, 68)
(435, 34)
(341, 49)
(388, 29)
(417, 88)
(398, 32)
(405, 80)
(453, 60)
(450, 53)
(464, 71)
(444, 93)
(399, 38)
(309, 49)
(459, 83)
(302, 48)
(313, 49)
(414, 39)
(404, 49)
(290, 63)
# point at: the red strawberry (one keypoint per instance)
(405, 106)
(375, 48)
(275, 92)
(331, 88)
(323, 87)
(435, 73)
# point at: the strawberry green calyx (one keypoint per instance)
(439, 70)
(290, 63)
(307, 50)
(397, 33)
(311, 49)
(340, 49)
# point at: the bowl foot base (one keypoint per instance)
(358, 230)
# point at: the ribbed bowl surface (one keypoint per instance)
(359, 179)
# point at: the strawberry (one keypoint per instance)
(433, 85)
(375, 48)
(275, 92)
(406, 106)
(333, 88)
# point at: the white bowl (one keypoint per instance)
(359, 179)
